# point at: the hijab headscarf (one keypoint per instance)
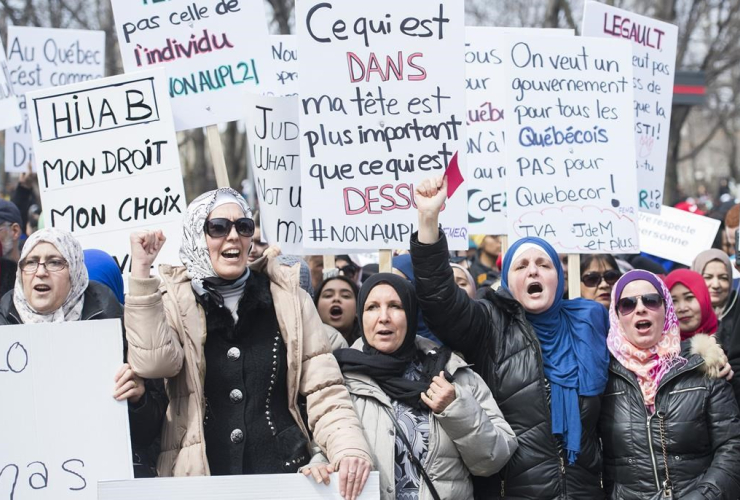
(70, 248)
(651, 364)
(387, 370)
(695, 283)
(574, 354)
(101, 267)
(700, 263)
(468, 276)
(194, 248)
(403, 264)
(354, 334)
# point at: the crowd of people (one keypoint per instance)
(455, 376)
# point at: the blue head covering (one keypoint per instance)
(102, 268)
(572, 335)
(403, 264)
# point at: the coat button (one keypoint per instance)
(236, 396)
(389, 489)
(390, 432)
(237, 436)
(233, 354)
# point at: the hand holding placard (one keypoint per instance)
(430, 197)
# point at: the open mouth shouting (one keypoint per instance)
(643, 326)
(232, 254)
(535, 289)
(335, 312)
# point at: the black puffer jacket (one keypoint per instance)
(494, 335)
(701, 429)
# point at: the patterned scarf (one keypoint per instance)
(649, 365)
(70, 248)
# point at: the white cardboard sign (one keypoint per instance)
(274, 145)
(676, 235)
(213, 51)
(10, 113)
(654, 63)
(259, 487)
(569, 115)
(285, 64)
(113, 170)
(60, 428)
(40, 58)
(485, 90)
(381, 110)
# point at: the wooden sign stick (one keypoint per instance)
(386, 259)
(217, 156)
(574, 275)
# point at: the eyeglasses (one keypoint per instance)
(593, 279)
(652, 301)
(52, 265)
(221, 227)
(349, 271)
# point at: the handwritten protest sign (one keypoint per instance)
(39, 58)
(260, 487)
(108, 162)
(381, 110)
(654, 63)
(274, 142)
(285, 64)
(10, 114)
(60, 428)
(485, 90)
(569, 109)
(676, 235)
(213, 51)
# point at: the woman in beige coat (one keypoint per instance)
(253, 330)
(431, 421)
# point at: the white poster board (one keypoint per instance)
(569, 115)
(676, 235)
(213, 52)
(10, 113)
(259, 487)
(284, 49)
(40, 58)
(654, 63)
(104, 177)
(485, 90)
(274, 145)
(380, 112)
(60, 428)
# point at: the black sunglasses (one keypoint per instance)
(221, 227)
(593, 279)
(652, 301)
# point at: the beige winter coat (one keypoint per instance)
(166, 332)
(469, 437)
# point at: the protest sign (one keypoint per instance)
(285, 64)
(485, 90)
(39, 58)
(213, 51)
(274, 143)
(10, 114)
(108, 162)
(653, 63)
(260, 487)
(381, 110)
(61, 430)
(676, 235)
(569, 114)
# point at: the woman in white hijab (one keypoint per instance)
(238, 347)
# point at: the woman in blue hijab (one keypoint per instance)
(403, 267)
(101, 267)
(543, 357)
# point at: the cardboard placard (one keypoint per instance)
(381, 110)
(213, 52)
(274, 145)
(10, 113)
(676, 235)
(654, 46)
(284, 50)
(569, 114)
(110, 166)
(485, 91)
(40, 58)
(260, 487)
(61, 430)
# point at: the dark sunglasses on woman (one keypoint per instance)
(221, 227)
(627, 305)
(593, 279)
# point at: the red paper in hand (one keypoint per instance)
(454, 177)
